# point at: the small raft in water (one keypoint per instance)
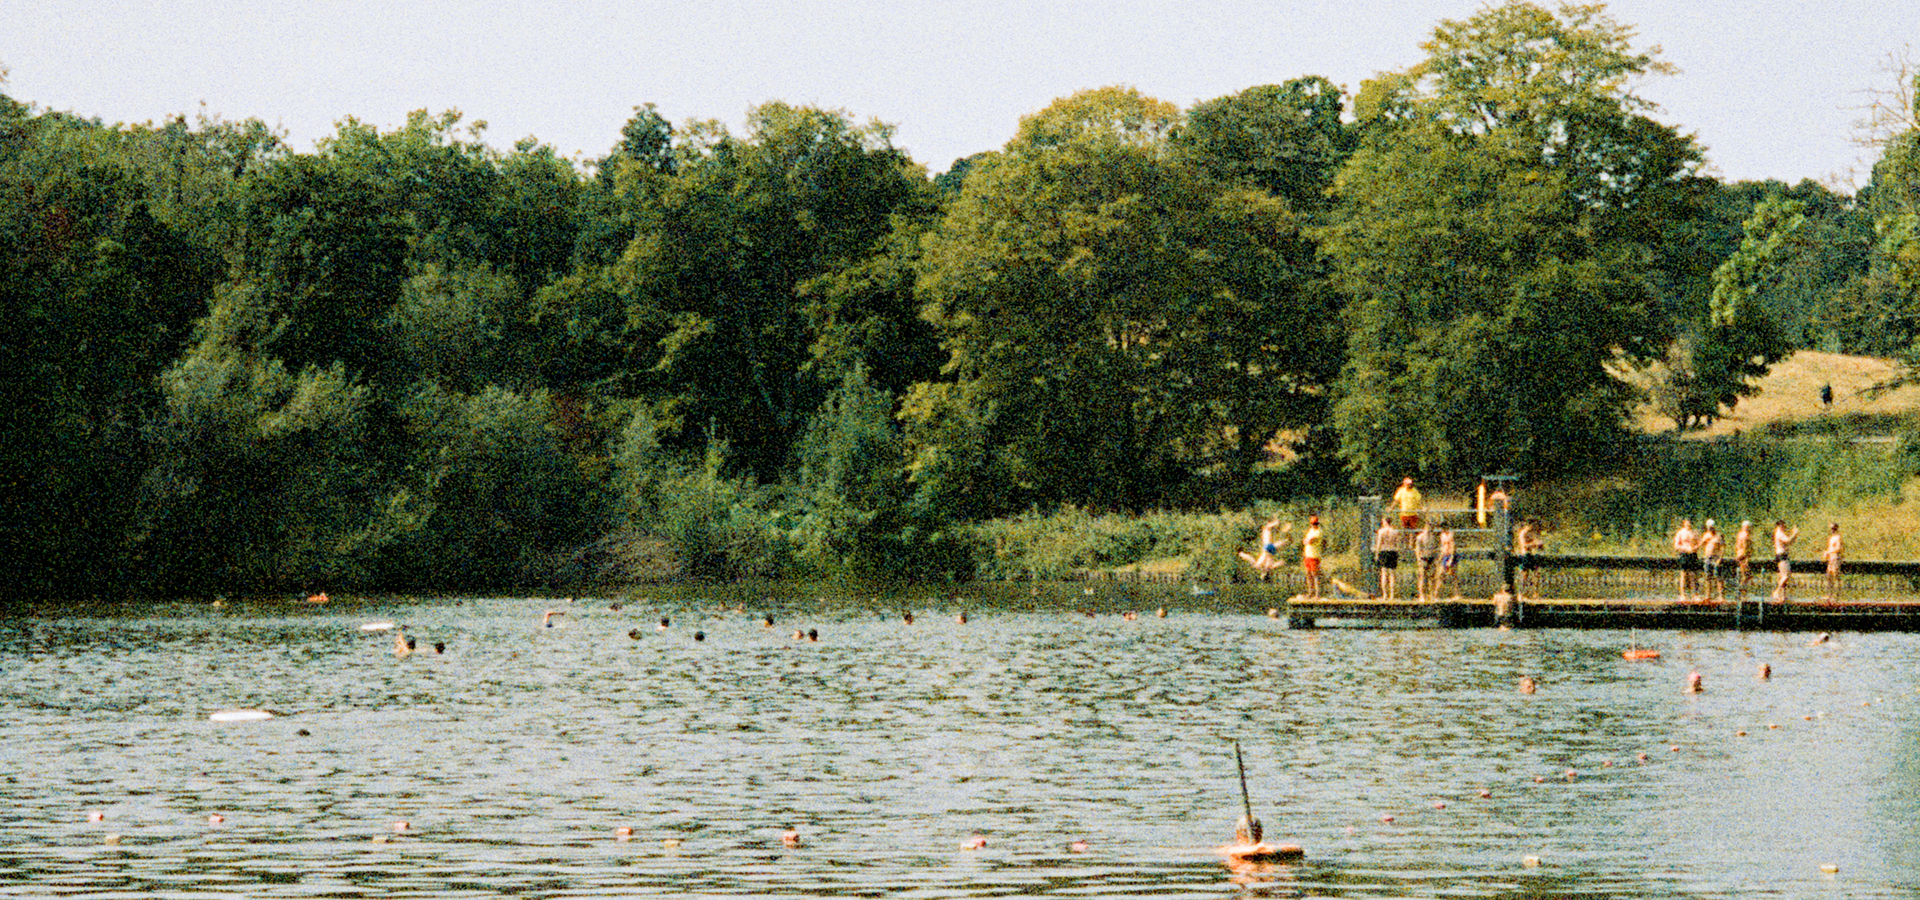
(241, 715)
(1262, 852)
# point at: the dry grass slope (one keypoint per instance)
(1790, 394)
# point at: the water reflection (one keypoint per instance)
(516, 756)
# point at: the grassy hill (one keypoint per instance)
(1789, 398)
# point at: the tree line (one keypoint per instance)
(409, 360)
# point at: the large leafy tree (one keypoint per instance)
(100, 290)
(1495, 238)
(745, 256)
(1123, 309)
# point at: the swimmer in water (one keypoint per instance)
(546, 618)
(439, 647)
(664, 622)
(1528, 685)
(401, 646)
(1694, 683)
(767, 621)
(813, 636)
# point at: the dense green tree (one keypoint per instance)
(1122, 312)
(726, 251)
(1497, 223)
(99, 294)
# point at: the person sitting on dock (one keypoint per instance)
(1686, 545)
(1832, 556)
(1782, 556)
(1711, 544)
(1312, 547)
(1386, 555)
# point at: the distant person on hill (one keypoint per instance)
(1826, 395)
(1386, 555)
(1782, 549)
(1408, 499)
(1743, 554)
(1686, 545)
(1312, 547)
(1711, 543)
(1832, 556)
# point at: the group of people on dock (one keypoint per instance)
(1436, 556)
(1702, 556)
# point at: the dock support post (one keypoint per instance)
(1363, 538)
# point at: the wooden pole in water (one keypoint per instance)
(1246, 801)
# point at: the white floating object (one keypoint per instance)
(377, 626)
(241, 715)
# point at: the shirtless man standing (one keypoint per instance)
(1782, 552)
(1832, 556)
(1743, 554)
(1711, 542)
(1386, 556)
(1687, 547)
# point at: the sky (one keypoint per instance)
(1771, 88)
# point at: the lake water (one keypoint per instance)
(516, 755)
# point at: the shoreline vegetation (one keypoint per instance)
(411, 361)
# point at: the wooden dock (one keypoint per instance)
(1798, 615)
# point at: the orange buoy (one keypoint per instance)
(1641, 653)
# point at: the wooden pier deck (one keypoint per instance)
(1797, 615)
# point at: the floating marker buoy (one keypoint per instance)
(1439, 804)
(977, 842)
(1077, 847)
(1641, 756)
(671, 843)
(96, 816)
(1830, 868)
(623, 833)
(377, 626)
(216, 819)
(1531, 862)
(241, 715)
(400, 826)
(113, 837)
(790, 837)
(1484, 793)
(1386, 819)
